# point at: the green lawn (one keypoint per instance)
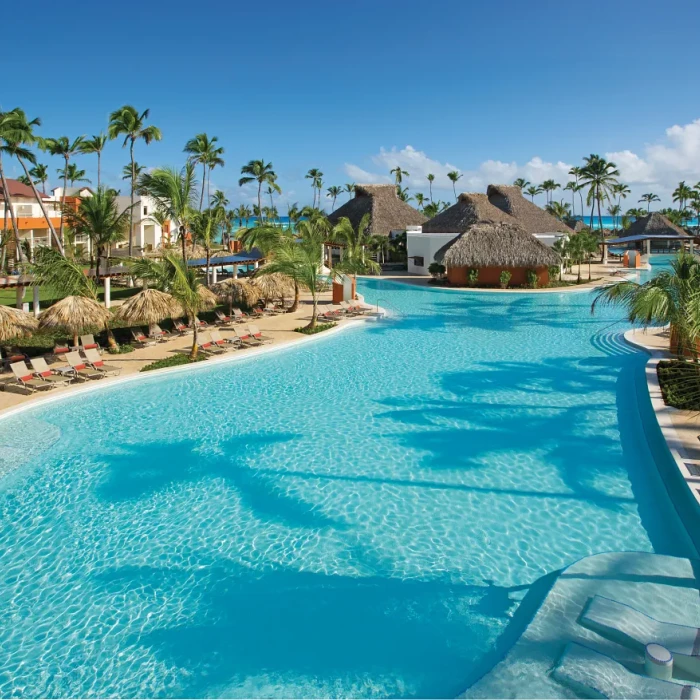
(8, 296)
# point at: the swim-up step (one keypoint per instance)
(591, 674)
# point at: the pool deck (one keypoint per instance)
(278, 327)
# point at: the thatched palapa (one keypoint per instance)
(387, 212)
(15, 323)
(471, 208)
(237, 291)
(655, 225)
(509, 199)
(273, 287)
(496, 244)
(148, 306)
(74, 315)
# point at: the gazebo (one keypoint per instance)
(652, 231)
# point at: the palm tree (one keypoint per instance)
(671, 297)
(431, 179)
(315, 175)
(261, 172)
(454, 176)
(98, 217)
(293, 214)
(521, 183)
(599, 176)
(40, 173)
(621, 190)
(420, 199)
(614, 211)
(62, 146)
(559, 210)
(349, 187)
(398, 174)
(589, 246)
(95, 145)
(174, 194)
(334, 192)
(127, 122)
(549, 186)
(67, 279)
(204, 225)
(402, 194)
(16, 132)
(575, 172)
(650, 197)
(532, 191)
(128, 169)
(72, 174)
(573, 187)
(356, 241)
(263, 236)
(682, 194)
(204, 151)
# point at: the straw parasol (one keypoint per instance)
(239, 291)
(208, 299)
(273, 286)
(15, 323)
(74, 314)
(387, 212)
(491, 244)
(149, 306)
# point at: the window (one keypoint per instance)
(23, 209)
(418, 261)
(145, 211)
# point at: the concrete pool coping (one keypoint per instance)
(90, 386)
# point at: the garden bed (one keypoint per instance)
(319, 328)
(680, 384)
(173, 361)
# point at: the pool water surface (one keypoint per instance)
(359, 516)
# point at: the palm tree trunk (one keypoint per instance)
(8, 206)
(131, 211)
(184, 243)
(193, 352)
(204, 179)
(63, 203)
(208, 254)
(43, 208)
(259, 201)
(99, 167)
(295, 305)
(314, 314)
(110, 337)
(430, 186)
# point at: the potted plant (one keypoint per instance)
(505, 278)
(531, 277)
(473, 277)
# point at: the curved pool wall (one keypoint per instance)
(355, 517)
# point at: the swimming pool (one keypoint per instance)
(354, 517)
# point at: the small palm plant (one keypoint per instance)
(357, 241)
(671, 297)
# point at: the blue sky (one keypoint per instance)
(495, 90)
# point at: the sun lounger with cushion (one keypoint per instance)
(208, 346)
(181, 328)
(594, 675)
(257, 334)
(222, 319)
(222, 342)
(141, 339)
(87, 342)
(27, 379)
(157, 333)
(96, 362)
(80, 368)
(246, 338)
(632, 628)
(239, 316)
(44, 372)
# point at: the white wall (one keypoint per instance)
(425, 245)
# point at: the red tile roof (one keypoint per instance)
(18, 189)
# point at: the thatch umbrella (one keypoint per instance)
(74, 315)
(149, 306)
(239, 291)
(208, 299)
(274, 286)
(15, 323)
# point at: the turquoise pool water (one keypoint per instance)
(354, 517)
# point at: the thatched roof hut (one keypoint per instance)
(387, 212)
(471, 208)
(509, 199)
(15, 323)
(74, 315)
(496, 244)
(148, 306)
(655, 225)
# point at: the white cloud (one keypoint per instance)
(357, 174)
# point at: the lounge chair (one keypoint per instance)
(271, 309)
(348, 308)
(222, 319)
(61, 350)
(141, 339)
(45, 373)
(96, 362)
(221, 342)
(594, 675)
(325, 313)
(246, 338)
(257, 334)
(181, 328)
(239, 316)
(157, 333)
(80, 368)
(200, 323)
(632, 628)
(87, 342)
(207, 345)
(27, 379)
(256, 311)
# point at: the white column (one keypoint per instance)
(647, 246)
(108, 291)
(691, 246)
(235, 271)
(256, 265)
(605, 254)
(213, 275)
(31, 239)
(35, 301)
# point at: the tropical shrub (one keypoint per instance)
(173, 361)
(531, 277)
(122, 349)
(680, 384)
(436, 269)
(473, 277)
(318, 328)
(505, 278)
(554, 272)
